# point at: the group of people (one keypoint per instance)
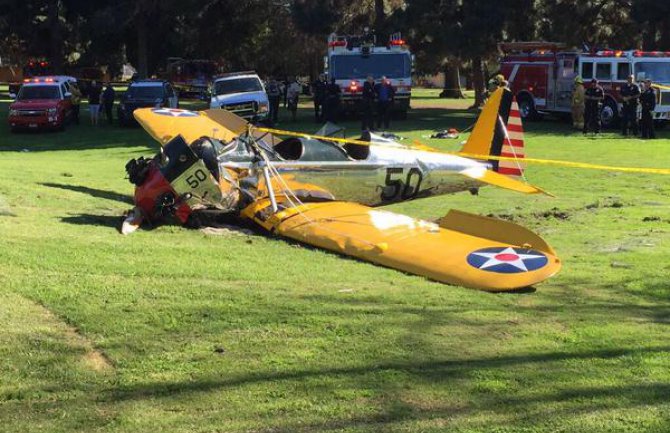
(376, 102)
(99, 99)
(587, 107)
(376, 99)
(326, 96)
(380, 95)
(289, 90)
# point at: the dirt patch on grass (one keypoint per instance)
(27, 319)
(93, 358)
(564, 214)
(97, 361)
(553, 213)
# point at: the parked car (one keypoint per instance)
(145, 93)
(42, 103)
(242, 93)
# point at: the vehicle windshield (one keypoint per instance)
(38, 92)
(390, 65)
(656, 71)
(239, 85)
(144, 92)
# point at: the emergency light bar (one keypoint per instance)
(638, 53)
(41, 80)
(339, 43)
(635, 53)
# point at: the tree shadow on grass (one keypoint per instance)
(432, 371)
(395, 402)
(93, 192)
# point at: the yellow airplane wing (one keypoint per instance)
(461, 249)
(163, 124)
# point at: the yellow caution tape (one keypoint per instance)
(572, 164)
(317, 137)
(660, 86)
(567, 163)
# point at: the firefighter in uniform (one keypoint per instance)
(493, 84)
(331, 105)
(630, 92)
(593, 97)
(648, 102)
(274, 92)
(319, 95)
(578, 104)
(385, 94)
(367, 104)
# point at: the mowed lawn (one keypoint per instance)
(175, 330)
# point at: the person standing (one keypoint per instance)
(630, 93)
(319, 96)
(385, 94)
(332, 102)
(284, 88)
(274, 97)
(108, 96)
(94, 94)
(76, 102)
(578, 104)
(367, 104)
(648, 102)
(293, 96)
(493, 84)
(593, 97)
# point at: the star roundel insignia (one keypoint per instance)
(507, 260)
(174, 112)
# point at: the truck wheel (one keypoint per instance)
(609, 114)
(527, 108)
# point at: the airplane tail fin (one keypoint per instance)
(499, 132)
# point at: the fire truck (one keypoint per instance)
(32, 68)
(542, 75)
(191, 77)
(351, 59)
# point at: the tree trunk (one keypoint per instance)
(380, 17)
(478, 81)
(56, 42)
(649, 37)
(142, 45)
(452, 81)
(664, 41)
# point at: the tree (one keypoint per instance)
(654, 24)
(433, 38)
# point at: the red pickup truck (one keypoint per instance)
(42, 103)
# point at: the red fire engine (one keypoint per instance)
(32, 68)
(542, 75)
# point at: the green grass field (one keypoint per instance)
(174, 330)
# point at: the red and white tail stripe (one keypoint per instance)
(513, 145)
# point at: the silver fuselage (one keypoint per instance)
(372, 175)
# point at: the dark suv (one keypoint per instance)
(146, 93)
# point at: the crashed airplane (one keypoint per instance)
(323, 191)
